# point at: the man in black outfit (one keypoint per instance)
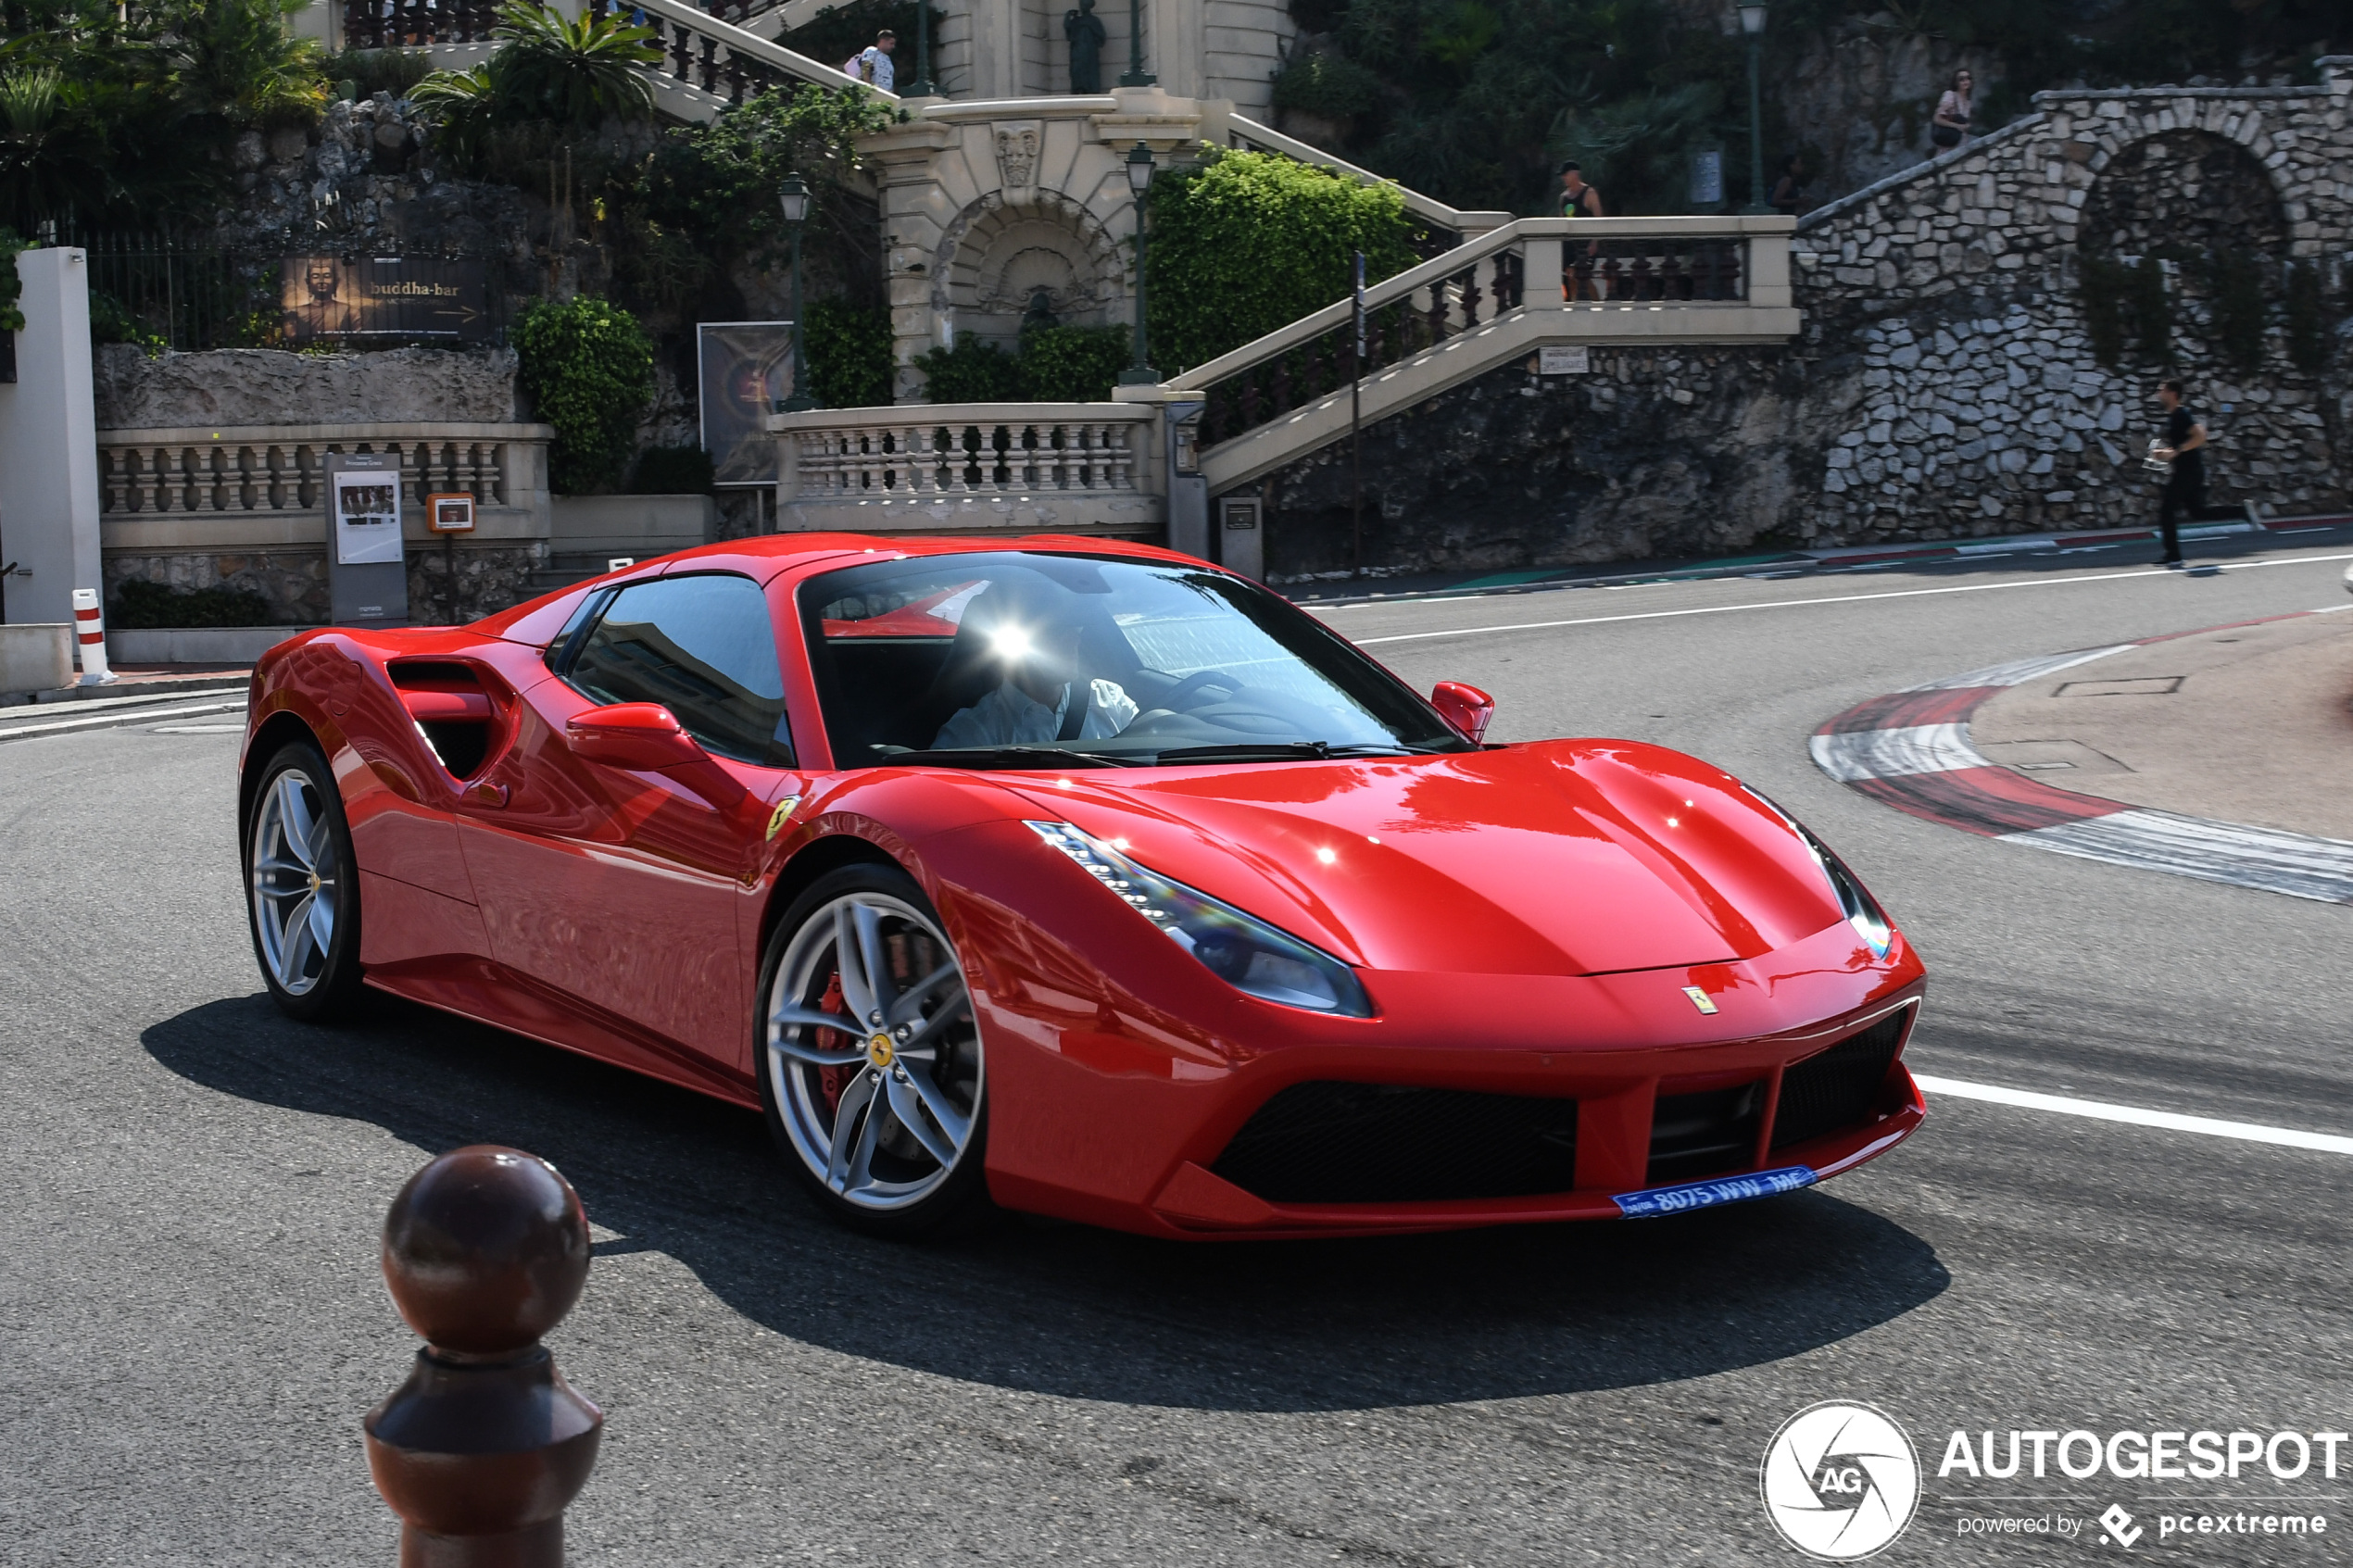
(2184, 445)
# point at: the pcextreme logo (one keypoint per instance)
(1840, 1481)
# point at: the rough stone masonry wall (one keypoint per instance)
(1958, 383)
(1944, 384)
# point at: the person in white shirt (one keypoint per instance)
(873, 64)
(1045, 697)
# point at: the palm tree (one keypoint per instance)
(573, 74)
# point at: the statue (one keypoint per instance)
(1085, 31)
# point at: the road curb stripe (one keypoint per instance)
(2098, 1110)
(1911, 749)
(118, 721)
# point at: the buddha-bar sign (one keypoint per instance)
(385, 299)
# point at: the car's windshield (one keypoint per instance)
(1018, 659)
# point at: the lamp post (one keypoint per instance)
(921, 87)
(792, 194)
(1135, 77)
(1139, 180)
(1753, 24)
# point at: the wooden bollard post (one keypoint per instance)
(486, 1250)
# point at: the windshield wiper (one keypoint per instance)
(1006, 757)
(1287, 751)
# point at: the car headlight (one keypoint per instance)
(1240, 949)
(1861, 909)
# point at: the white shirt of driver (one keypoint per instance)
(1007, 717)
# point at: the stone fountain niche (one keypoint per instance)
(1026, 252)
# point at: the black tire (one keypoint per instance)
(908, 1190)
(312, 981)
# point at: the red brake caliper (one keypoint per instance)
(833, 1080)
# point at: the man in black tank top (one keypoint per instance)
(2183, 443)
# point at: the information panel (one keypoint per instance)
(367, 562)
(744, 368)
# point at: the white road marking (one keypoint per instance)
(119, 719)
(1829, 600)
(198, 730)
(1886, 754)
(2098, 1110)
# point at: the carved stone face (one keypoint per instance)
(1017, 153)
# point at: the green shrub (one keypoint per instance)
(975, 370)
(1072, 364)
(2104, 283)
(672, 470)
(11, 286)
(2239, 311)
(364, 74)
(1249, 242)
(140, 605)
(589, 371)
(1331, 85)
(848, 348)
(2151, 308)
(2307, 322)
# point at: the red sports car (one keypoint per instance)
(1082, 876)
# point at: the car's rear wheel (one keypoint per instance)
(302, 886)
(871, 1065)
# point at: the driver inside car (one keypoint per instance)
(1045, 695)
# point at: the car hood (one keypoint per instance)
(1556, 857)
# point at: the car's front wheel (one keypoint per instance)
(871, 1066)
(302, 886)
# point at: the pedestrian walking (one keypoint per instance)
(1949, 126)
(872, 63)
(1789, 190)
(1580, 200)
(2182, 447)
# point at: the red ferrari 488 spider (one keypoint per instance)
(1081, 876)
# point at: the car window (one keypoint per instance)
(981, 659)
(701, 646)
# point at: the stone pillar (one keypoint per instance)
(49, 443)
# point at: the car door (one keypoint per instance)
(618, 886)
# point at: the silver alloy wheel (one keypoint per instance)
(296, 881)
(880, 1097)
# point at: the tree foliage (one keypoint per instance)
(588, 369)
(115, 116)
(572, 75)
(1249, 242)
(848, 348)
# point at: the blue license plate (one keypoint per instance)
(1684, 1196)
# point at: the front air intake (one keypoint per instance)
(1840, 1086)
(1372, 1143)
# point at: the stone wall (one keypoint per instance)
(1944, 383)
(292, 583)
(258, 387)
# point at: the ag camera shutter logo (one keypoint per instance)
(1840, 1481)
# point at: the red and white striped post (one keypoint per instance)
(90, 632)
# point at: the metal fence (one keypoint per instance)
(162, 291)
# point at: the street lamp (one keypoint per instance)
(1140, 178)
(921, 87)
(1753, 24)
(792, 194)
(1135, 77)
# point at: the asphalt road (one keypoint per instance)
(192, 1324)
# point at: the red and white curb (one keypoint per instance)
(1911, 749)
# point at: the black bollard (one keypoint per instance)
(485, 1249)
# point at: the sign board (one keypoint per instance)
(1241, 546)
(367, 562)
(1708, 180)
(742, 370)
(384, 298)
(1564, 361)
(450, 513)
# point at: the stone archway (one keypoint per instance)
(2184, 192)
(1007, 248)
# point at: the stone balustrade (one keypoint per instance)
(275, 469)
(1068, 466)
(1603, 282)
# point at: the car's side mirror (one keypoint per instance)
(1466, 708)
(631, 735)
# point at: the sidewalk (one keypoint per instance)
(1342, 588)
